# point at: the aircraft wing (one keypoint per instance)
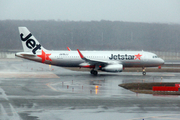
(96, 62)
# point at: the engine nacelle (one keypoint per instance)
(113, 68)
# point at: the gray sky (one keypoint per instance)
(159, 11)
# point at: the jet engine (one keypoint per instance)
(113, 68)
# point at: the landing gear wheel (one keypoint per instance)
(94, 72)
(144, 73)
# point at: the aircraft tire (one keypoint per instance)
(94, 72)
(144, 73)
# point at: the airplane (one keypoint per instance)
(109, 61)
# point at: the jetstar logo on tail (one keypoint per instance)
(44, 56)
(30, 43)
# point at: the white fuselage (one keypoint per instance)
(109, 61)
(72, 58)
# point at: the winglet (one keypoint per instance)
(80, 54)
(68, 49)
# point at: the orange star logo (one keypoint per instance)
(44, 56)
(138, 56)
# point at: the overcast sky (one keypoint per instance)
(159, 11)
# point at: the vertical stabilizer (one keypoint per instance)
(29, 42)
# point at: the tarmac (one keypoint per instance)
(35, 91)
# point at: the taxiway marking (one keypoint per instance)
(48, 84)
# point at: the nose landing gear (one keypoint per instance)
(144, 71)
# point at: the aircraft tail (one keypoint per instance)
(29, 42)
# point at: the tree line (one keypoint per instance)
(93, 35)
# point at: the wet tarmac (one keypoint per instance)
(33, 91)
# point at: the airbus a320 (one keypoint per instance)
(109, 61)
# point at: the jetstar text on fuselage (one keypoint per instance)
(124, 57)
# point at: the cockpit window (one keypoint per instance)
(155, 56)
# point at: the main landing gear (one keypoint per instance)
(144, 72)
(94, 72)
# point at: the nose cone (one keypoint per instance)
(161, 61)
